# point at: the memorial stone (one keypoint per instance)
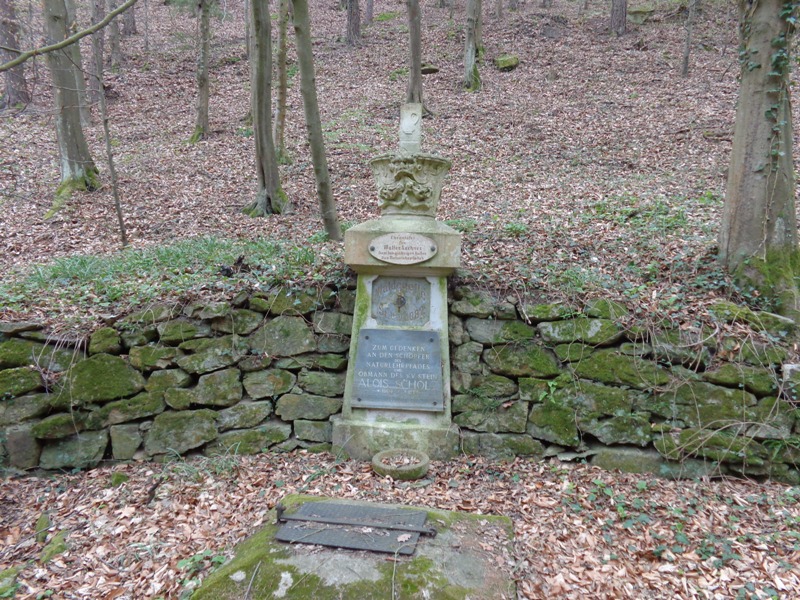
(397, 392)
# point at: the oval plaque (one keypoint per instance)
(402, 248)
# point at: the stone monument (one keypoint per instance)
(397, 393)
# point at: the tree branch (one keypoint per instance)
(68, 41)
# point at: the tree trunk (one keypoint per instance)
(203, 50)
(279, 136)
(472, 78)
(308, 89)
(77, 60)
(129, 21)
(369, 12)
(688, 45)
(353, 23)
(479, 29)
(269, 197)
(498, 9)
(414, 90)
(77, 167)
(758, 236)
(16, 88)
(113, 38)
(619, 17)
(96, 76)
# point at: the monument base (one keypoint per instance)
(361, 440)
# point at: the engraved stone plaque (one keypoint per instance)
(402, 248)
(400, 370)
(401, 301)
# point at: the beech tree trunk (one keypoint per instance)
(619, 17)
(203, 92)
(96, 79)
(472, 78)
(414, 90)
(129, 21)
(308, 89)
(16, 88)
(78, 170)
(77, 60)
(353, 23)
(270, 198)
(369, 12)
(758, 236)
(114, 38)
(279, 136)
(687, 47)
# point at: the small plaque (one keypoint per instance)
(400, 370)
(402, 248)
(401, 301)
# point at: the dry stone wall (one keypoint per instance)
(266, 372)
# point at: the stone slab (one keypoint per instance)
(470, 557)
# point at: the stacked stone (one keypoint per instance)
(267, 372)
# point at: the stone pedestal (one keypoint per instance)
(397, 392)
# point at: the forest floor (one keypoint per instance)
(593, 169)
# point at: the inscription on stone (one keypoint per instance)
(402, 248)
(400, 370)
(401, 301)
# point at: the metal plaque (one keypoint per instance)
(403, 248)
(400, 370)
(354, 526)
(401, 301)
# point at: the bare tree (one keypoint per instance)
(688, 44)
(114, 38)
(308, 89)
(78, 170)
(414, 90)
(98, 40)
(270, 198)
(353, 23)
(77, 59)
(369, 12)
(619, 17)
(758, 234)
(203, 91)
(472, 78)
(16, 88)
(129, 22)
(279, 136)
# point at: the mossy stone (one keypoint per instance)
(754, 353)
(23, 353)
(24, 408)
(538, 313)
(179, 432)
(243, 415)
(321, 383)
(134, 335)
(312, 431)
(467, 358)
(106, 340)
(153, 357)
(22, 447)
(326, 362)
(101, 378)
(179, 398)
(8, 582)
(679, 348)
(140, 406)
(59, 426)
(638, 460)
(152, 314)
(333, 322)
(56, 546)
(604, 308)
(597, 399)
(285, 301)
(160, 381)
(506, 62)
(125, 441)
(333, 343)
(720, 446)
(240, 322)
(220, 388)
(572, 352)
(19, 381)
(176, 331)
(307, 406)
(776, 325)
(214, 354)
(283, 336)
(521, 359)
(500, 446)
(456, 331)
(757, 380)
(611, 367)
(494, 331)
(210, 310)
(595, 332)
(774, 419)
(80, 451)
(623, 429)
(534, 390)
(470, 303)
(508, 417)
(269, 383)
(249, 441)
(553, 422)
(701, 404)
